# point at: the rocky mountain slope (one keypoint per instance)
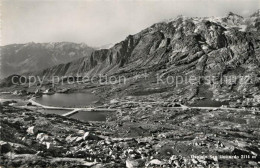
(23, 58)
(183, 40)
(209, 48)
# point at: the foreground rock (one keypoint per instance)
(171, 138)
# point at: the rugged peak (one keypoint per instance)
(233, 19)
(256, 14)
(231, 14)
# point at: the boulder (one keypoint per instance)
(177, 163)
(49, 145)
(113, 101)
(70, 139)
(5, 147)
(172, 159)
(32, 130)
(89, 136)
(156, 162)
(81, 132)
(42, 137)
(130, 163)
(79, 139)
(126, 118)
(27, 141)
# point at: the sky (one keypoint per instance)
(99, 23)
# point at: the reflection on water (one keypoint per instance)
(90, 116)
(68, 100)
(81, 115)
(58, 112)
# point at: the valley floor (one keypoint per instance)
(138, 135)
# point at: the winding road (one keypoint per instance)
(201, 108)
(92, 109)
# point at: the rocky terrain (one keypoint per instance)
(31, 57)
(139, 135)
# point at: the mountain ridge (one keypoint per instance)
(119, 53)
(23, 58)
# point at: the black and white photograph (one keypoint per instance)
(130, 83)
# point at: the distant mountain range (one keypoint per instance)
(31, 57)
